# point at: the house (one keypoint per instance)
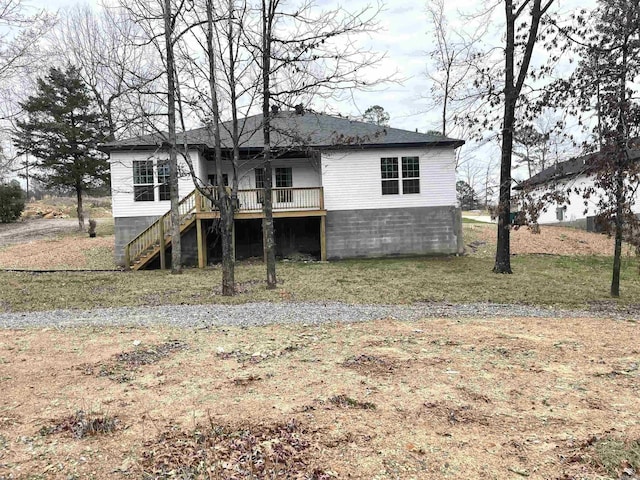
(342, 189)
(571, 177)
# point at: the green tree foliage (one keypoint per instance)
(12, 200)
(62, 131)
(376, 115)
(467, 197)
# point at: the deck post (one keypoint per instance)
(162, 245)
(323, 238)
(233, 240)
(204, 245)
(198, 201)
(200, 243)
(127, 257)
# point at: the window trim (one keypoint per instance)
(284, 196)
(389, 177)
(416, 175)
(145, 188)
(164, 187)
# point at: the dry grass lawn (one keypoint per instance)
(497, 399)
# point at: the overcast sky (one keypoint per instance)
(404, 38)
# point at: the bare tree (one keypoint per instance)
(101, 43)
(21, 60)
(159, 29)
(315, 57)
(454, 58)
(523, 19)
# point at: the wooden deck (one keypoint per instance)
(196, 207)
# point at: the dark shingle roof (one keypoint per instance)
(568, 169)
(290, 130)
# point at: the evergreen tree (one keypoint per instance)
(376, 115)
(62, 131)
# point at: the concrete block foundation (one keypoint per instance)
(394, 232)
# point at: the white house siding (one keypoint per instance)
(352, 179)
(361, 222)
(123, 201)
(305, 172)
(575, 209)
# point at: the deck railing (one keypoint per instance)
(251, 200)
(155, 233)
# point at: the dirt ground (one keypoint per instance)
(551, 240)
(55, 243)
(450, 398)
(32, 230)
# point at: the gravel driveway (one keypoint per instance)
(252, 314)
(35, 229)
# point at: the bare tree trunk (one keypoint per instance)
(268, 8)
(622, 163)
(79, 209)
(513, 87)
(224, 202)
(617, 254)
(176, 247)
(503, 247)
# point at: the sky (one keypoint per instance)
(404, 37)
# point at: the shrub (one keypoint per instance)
(12, 200)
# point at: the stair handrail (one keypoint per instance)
(151, 235)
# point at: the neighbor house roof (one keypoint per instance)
(291, 130)
(567, 169)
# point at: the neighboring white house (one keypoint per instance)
(572, 177)
(342, 189)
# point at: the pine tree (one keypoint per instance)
(62, 131)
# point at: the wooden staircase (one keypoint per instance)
(153, 241)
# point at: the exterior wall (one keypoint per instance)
(126, 228)
(122, 183)
(574, 209)
(305, 172)
(394, 231)
(352, 179)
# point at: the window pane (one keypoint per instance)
(164, 192)
(389, 168)
(410, 167)
(143, 193)
(284, 177)
(163, 172)
(411, 186)
(259, 172)
(142, 172)
(390, 187)
(213, 179)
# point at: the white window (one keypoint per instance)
(390, 173)
(143, 181)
